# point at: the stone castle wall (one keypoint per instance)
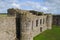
(23, 25)
(31, 26)
(7, 28)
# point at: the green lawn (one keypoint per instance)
(1, 15)
(53, 34)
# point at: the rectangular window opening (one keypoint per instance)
(40, 21)
(36, 23)
(43, 21)
(32, 25)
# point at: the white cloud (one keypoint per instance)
(45, 8)
(34, 5)
(52, 6)
(15, 5)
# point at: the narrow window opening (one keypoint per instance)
(43, 21)
(36, 23)
(32, 25)
(40, 21)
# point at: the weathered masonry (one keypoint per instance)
(23, 25)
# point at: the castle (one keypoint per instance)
(23, 24)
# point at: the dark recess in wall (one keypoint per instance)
(18, 27)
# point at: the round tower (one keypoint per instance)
(49, 21)
(23, 24)
(25, 28)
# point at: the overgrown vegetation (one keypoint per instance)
(36, 12)
(53, 34)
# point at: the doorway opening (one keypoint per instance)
(40, 29)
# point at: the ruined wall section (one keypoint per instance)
(25, 27)
(25, 23)
(37, 29)
(49, 21)
(7, 28)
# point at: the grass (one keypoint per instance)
(1, 15)
(53, 34)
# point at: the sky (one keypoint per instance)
(47, 6)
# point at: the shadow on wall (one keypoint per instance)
(18, 27)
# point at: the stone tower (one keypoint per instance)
(49, 21)
(23, 23)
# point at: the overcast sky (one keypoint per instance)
(48, 6)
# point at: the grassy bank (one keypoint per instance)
(53, 34)
(1, 15)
